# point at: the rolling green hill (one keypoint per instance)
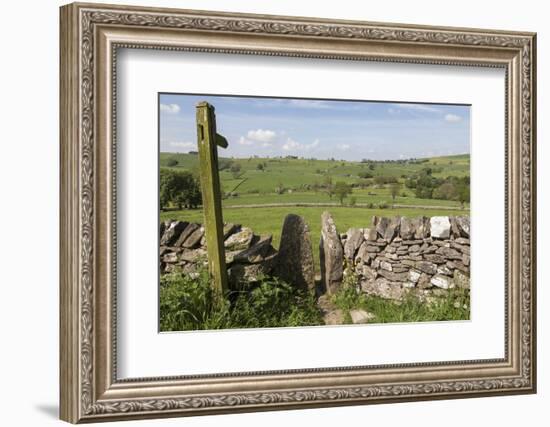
(293, 174)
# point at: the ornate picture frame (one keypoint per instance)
(90, 37)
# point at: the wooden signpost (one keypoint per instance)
(208, 142)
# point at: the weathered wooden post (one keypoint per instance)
(208, 142)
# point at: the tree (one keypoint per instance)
(178, 188)
(280, 189)
(342, 190)
(260, 166)
(365, 174)
(224, 164)
(329, 187)
(353, 201)
(315, 186)
(394, 191)
(364, 183)
(446, 191)
(381, 180)
(172, 162)
(424, 186)
(427, 171)
(410, 182)
(235, 170)
(463, 194)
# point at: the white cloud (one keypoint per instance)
(261, 135)
(244, 141)
(182, 144)
(424, 108)
(170, 108)
(418, 107)
(344, 147)
(452, 118)
(308, 103)
(292, 145)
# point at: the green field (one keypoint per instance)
(294, 173)
(363, 196)
(270, 220)
(252, 199)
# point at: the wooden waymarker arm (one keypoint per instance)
(208, 142)
(221, 141)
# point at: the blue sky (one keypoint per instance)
(349, 130)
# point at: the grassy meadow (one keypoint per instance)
(294, 173)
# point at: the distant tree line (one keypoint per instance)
(365, 175)
(412, 160)
(426, 186)
(382, 180)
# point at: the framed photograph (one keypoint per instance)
(266, 212)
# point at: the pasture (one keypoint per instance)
(261, 197)
(293, 173)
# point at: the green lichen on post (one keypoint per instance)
(208, 141)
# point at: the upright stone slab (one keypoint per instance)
(392, 229)
(331, 255)
(381, 225)
(370, 234)
(294, 262)
(189, 229)
(407, 229)
(353, 242)
(194, 238)
(455, 232)
(463, 223)
(421, 227)
(172, 233)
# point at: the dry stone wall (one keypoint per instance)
(391, 258)
(247, 255)
(400, 255)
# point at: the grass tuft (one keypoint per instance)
(189, 304)
(454, 305)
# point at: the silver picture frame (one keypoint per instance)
(90, 37)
